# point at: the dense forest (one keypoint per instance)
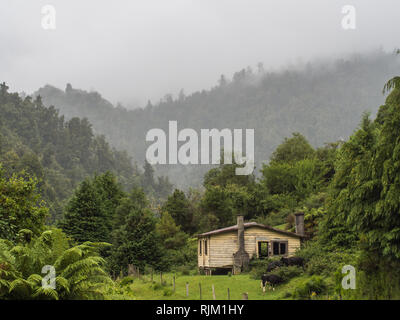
(61, 153)
(68, 200)
(324, 101)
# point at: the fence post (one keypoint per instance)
(213, 291)
(160, 277)
(200, 290)
(174, 283)
(229, 295)
(151, 275)
(245, 296)
(187, 289)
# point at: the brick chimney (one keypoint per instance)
(241, 257)
(300, 223)
(240, 225)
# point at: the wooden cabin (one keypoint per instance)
(231, 248)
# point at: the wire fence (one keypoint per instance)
(152, 276)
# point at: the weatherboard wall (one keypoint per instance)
(222, 246)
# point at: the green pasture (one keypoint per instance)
(145, 289)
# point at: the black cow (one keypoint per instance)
(271, 279)
(273, 265)
(293, 261)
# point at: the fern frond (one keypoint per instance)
(4, 284)
(62, 285)
(45, 293)
(69, 256)
(20, 288)
(34, 279)
(85, 266)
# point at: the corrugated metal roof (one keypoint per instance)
(248, 225)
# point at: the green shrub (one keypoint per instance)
(185, 272)
(259, 266)
(287, 273)
(127, 289)
(310, 288)
(185, 256)
(157, 286)
(126, 281)
(167, 292)
(377, 278)
(320, 261)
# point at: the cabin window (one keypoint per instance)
(275, 248)
(200, 247)
(279, 248)
(282, 248)
(262, 249)
(205, 247)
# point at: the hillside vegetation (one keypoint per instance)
(323, 101)
(60, 153)
(110, 228)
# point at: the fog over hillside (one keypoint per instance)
(132, 51)
(323, 100)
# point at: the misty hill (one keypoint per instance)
(59, 153)
(323, 101)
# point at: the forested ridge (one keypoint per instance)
(324, 101)
(59, 153)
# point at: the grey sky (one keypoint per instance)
(131, 51)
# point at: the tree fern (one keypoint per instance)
(79, 270)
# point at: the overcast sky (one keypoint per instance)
(131, 51)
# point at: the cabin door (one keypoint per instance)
(263, 249)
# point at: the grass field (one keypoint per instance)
(144, 289)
